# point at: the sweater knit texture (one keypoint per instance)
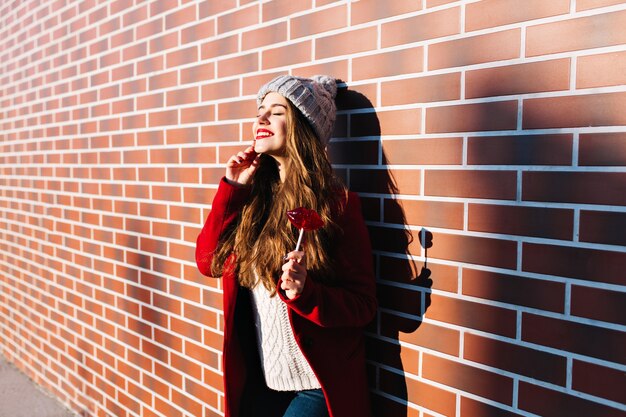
(284, 366)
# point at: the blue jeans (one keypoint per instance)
(309, 403)
(269, 403)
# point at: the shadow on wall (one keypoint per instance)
(401, 286)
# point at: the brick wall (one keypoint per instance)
(487, 140)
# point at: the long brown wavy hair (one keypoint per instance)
(262, 234)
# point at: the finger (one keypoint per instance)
(250, 153)
(297, 256)
(287, 285)
(254, 165)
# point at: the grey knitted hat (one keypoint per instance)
(314, 97)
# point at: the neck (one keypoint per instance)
(281, 162)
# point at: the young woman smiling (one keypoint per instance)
(293, 320)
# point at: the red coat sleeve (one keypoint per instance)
(352, 302)
(227, 204)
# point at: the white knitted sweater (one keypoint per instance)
(284, 366)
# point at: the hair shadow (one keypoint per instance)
(403, 289)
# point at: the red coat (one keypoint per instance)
(327, 322)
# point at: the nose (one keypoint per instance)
(262, 118)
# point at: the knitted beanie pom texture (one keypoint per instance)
(314, 97)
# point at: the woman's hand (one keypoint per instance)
(294, 274)
(241, 167)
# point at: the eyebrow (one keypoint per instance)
(273, 105)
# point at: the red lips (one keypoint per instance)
(263, 133)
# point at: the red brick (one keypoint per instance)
(166, 80)
(163, 156)
(393, 355)
(181, 57)
(211, 8)
(147, 29)
(478, 316)
(201, 392)
(238, 65)
(426, 335)
(443, 277)
(404, 61)
(424, 213)
(423, 89)
(151, 101)
(478, 49)
(294, 53)
(592, 4)
(182, 96)
(512, 289)
(354, 152)
(219, 133)
(393, 240)
(419, 392)
(532, 77)
(357, 97)
(516, 359)
(267, 35)
(575, 111)
(220, 90)
(369, 10)
(219, 47)
(603, 149)
(349, 42)
(197, 73)
(569, 336)
(402, 300)
(150, 138)
(181, 17)
(499, 115)
(181, 135)
(473, 408)
(598, 304)
(422, 27)
(280, 8)
(198, 114)
(439, 151)
(520, 150)
(575, 34)
(601, 70)
(201, 354)
(236, 109)
(238, 19)
(586, 264)
(150, 65)
(470, 184)
(467, 378)
(318, 22)
(603, 227)
(574, 187)
(339, 69)
(381, 181)
(168, 117)
(548, 403)
(393, 122)
(492, 13)
(164, 42)
(198, 31)
(251, 84)
(601, 381)
(166, 408)
(522, 221)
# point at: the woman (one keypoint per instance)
(293, 335)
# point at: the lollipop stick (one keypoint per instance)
(299, 239)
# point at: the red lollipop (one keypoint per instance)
(304, 219)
